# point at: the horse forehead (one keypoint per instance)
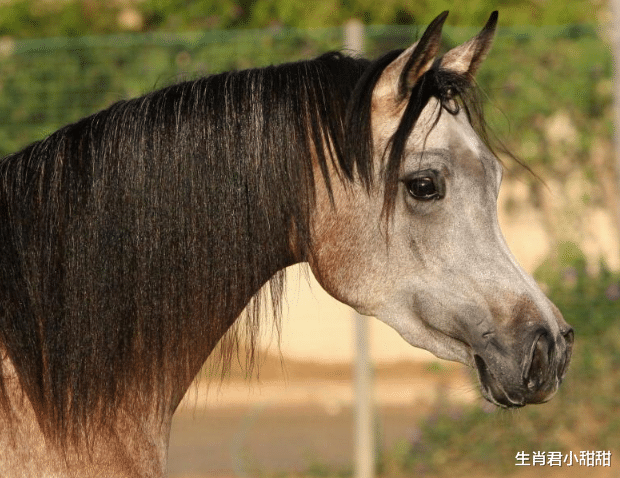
(450, 130)
(453, 132)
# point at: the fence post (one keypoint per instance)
(364, 410)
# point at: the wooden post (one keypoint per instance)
(364, 410)
(354, 37)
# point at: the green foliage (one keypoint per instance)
(43, 18)
(48, 83)
(562, 69)
(535, 70)
(590, 304)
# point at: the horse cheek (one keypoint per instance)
(345, 263)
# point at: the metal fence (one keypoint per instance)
(47, 83)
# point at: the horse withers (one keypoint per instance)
(132, 241)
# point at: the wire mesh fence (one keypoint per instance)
(47, 83)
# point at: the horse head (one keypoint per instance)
(418, 245)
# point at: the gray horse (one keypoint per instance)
(132, 240)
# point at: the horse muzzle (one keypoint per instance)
(511, 382)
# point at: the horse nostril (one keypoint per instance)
(569, 340)
(569, 337)
(539, 363)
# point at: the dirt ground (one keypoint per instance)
(301, 418)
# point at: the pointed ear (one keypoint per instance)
(467, 58)
(400, 76)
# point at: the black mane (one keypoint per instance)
(131, 236)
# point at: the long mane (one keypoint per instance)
(131, 236)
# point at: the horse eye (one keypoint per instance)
(422, 188)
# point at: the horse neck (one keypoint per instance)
(137, 444)
(237, 309)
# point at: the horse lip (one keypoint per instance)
(491, 387)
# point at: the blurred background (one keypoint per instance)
(549, 89)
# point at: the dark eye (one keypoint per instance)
(422, 188)
(425, 186)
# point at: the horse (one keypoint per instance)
(132, 240)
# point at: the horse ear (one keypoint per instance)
(401, 75)
(467, 58)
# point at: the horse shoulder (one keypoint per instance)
(136, 449)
